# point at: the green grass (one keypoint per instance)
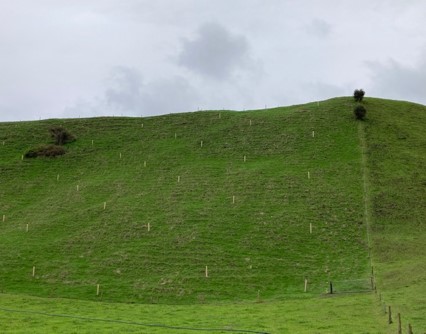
(260, 245)
(342, 314)
(396, 137)
(260, 242)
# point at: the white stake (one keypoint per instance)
(306, 284)
(245, 158)
(313, 134)
(104, 205)
(97, 289)
(144, 163)
(233, 199)
(22, 157)
(178, 178)
(149, 227)
(26, 228)
(57, 177)
(310, 228)
(33, 271)
(77, 187)
(309, 175)
(207, 272)
(250, 122)
(4, 218)
(142, 125)
(201, 143)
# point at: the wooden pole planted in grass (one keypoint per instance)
(313, 134)
(233, 199)
(97, 289)
(410, 329)
(245, 158)
(178, 178)
(331, 288)
(77, 187)
(26, 229)
(390, 315)
(149, 227)
(207, 272)
(306, 284)
(201, 144)
(104, 205)
(33, 271)
(310, 228)
(309, 175)
(57, 177)
(399, 324)
(4, 218)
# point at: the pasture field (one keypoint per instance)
(358, 313)
(217, 218)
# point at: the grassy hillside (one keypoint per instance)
(140, 207)
(396, 137)
(248, 222)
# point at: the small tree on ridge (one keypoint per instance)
(359, 95)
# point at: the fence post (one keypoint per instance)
(399, 324)
(410, 329)
(331, 288)
(390, 315)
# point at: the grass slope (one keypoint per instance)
(259, 244)
(248, 221)
(396, 137)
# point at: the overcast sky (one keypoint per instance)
(85, 58)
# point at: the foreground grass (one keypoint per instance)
(306, 314)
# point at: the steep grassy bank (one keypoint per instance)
(396, 139)
(185, 175)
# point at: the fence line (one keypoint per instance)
(131, 322)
